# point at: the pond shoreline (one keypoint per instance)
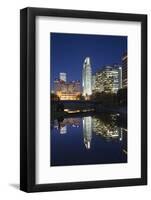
(98, 109)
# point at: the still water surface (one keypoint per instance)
(88, 140)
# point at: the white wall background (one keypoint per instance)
(9, 98)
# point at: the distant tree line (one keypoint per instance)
(119, 98)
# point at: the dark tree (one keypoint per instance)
(122, 96)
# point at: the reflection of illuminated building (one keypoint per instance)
(87, 77)
(108, 130)
(109, 79)
(63, 130)
(62, 126)
(74, 122)
(87, 131)
(67, 91)
(124, 134)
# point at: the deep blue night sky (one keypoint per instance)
(68, 52)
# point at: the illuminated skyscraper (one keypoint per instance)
(117, 78)
(87, 131)
(87, 77)
(108, 79)
(120, 77)
(63, 76)
(124, 69)
(93, 82)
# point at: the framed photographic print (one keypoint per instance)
(83, 95)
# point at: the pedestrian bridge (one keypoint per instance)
(78, 105)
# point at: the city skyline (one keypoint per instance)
(69, 50)
(89, 99)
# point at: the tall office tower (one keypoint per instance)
(104, 80)
(120, 77)
(117, 78)
(87, 77)
(108, 79)
(93, 82)
(63, 76)
(124, 70)
(87, 131)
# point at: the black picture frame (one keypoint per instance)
(28, 98)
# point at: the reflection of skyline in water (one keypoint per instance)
(88, 140)
(87, 131)
(61, 125)
(104, 127)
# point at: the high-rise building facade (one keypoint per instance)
(63, 76)
(117, 78)
(108, 79)
(87, 78)
(124, 70)
(120, 77)
(93, 82)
